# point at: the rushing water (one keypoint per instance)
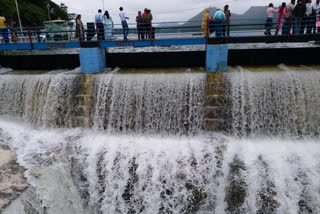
(146, 150)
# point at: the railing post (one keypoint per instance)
(30, 40)
(79, 35)
(289, 27)
(97, 32)
(227, 32)
(207, 37)
(151, 33)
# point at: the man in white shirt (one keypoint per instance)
(99, 24)
(124, 23)
(316, 9)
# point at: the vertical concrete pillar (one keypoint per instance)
(92, 60)
(217, 58)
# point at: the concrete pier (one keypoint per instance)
(217, 58)
(92, 60)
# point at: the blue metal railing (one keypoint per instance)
(152, 32)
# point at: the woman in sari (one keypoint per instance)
(108, 25)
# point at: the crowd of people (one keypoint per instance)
(220, 22)
(294, 18)
(104, 25)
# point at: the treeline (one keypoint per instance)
(33, 12)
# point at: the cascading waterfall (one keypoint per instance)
(43, 100)
(150, 103)
(146, 151)
(275, 103)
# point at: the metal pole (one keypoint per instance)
(49, 16)
(103, 5)
(18, 16)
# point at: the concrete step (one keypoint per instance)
(214, 100)
(216, 124)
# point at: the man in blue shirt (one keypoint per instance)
(99, 24)
(219, 18)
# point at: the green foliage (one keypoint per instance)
(33, 12)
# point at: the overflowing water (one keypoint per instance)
(267, 103)
(150, 103)
(146, 149)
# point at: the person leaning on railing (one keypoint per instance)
(4, 29)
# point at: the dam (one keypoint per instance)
(175, 140)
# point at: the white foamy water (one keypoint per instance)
(91, 172)
(4, 70)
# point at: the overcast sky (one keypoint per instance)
(162, 10)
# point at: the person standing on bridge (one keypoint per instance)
(79, 28)
(205, 22)
(99, 25)
(4, 29)
(227, 25)
(282, 19)
(108, 25)
(219, 19)
(124, 23)
(290, 8)
(144, 23)
(316, 9)
(299, 13)
(269, 22)
(148, 24)
(309, 17)
(140, 25)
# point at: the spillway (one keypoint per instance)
(145, 143)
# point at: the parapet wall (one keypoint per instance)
(272, 56)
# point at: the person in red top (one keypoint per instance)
(144, 25)
(283, 15)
